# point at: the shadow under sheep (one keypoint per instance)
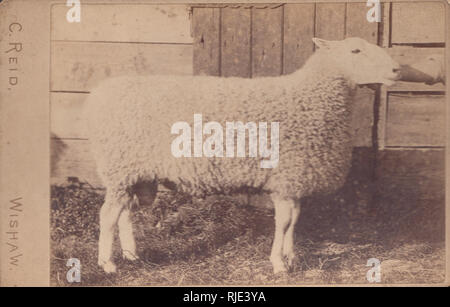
(221, 240)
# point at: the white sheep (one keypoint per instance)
(130, 121)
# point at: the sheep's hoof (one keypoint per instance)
(279, 269)
(290, 259)
(108, 267)
(127, 255)
(278, 266)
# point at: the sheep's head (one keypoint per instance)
(360, 61)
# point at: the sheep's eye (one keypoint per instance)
(356, 51)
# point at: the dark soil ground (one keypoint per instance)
(220, 241)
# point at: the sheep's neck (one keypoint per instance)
(328, 91)
(320, 67)
(320, 74)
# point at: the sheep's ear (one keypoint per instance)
(321, 43)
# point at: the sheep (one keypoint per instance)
(130, 120)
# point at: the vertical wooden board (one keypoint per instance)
(385, 25)
(72, 158)
(298, 34)
(381, 114)
(420, 22)
(80, 66)
(415, 120)
(357, 24)
(330, 21)
(384, 40)
(236, 44)
(206, 31)
(362, 117)
(66, 115)
(124, 23)
(267, 41)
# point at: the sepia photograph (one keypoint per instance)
(239, 143)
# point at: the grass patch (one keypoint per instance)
(220, 241)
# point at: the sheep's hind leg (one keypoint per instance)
(126, 237)
(115, 202)
(288, 243)
(283, 213)
(145, 194)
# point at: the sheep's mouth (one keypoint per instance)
(391, 78)
(388, 81)
(396, 74)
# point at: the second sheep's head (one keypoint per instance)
(359, 60)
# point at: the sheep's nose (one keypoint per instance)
(396, 70)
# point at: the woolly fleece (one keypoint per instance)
(130, 121)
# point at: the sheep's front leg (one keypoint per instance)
(109, 214)
(288, 243)
(126, 237)
(283, 213)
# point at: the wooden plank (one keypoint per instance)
(420, 22)
(66, 115)
(236, 45)
(385, 25)
(362, 117)
(357, 24)
(381, 124)
(415, 120)
(79, 66)
(124, 23)
(385, 43)
(206, 31)
(72, 158)
(410, 56)
(298, 34)
(330, 21)
(267, 41)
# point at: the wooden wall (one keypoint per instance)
(411, 129)
(111, 40)
(412, 115)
